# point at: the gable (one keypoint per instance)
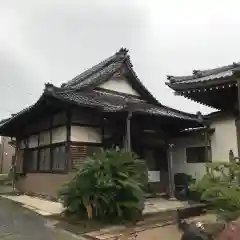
(120, 85)
(116, 74)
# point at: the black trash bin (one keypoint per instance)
(182, 182)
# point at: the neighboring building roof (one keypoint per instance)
(216, 88)
(215, 75)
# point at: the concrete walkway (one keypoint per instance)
(47, 208)
(155, 205)
(40, 206)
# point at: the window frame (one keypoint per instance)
(51, 170)
(194, 147)
(52, 145)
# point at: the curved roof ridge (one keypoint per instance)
(203, 73)
(118, 56)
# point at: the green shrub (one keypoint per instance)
(220, 187)
(109, 184)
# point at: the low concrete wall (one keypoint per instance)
(43, 183)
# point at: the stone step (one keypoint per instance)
(171, 216)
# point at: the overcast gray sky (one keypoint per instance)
(52, 41)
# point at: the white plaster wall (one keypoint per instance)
(86, 134)
(33, 141)
(224, 139)
(119, 85)
(44, 138)
(180, 165)
(59, 134)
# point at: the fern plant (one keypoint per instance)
(109, 184)
(220, 187)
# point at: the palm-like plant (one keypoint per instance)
(109, 183)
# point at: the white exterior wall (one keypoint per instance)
(86, 134)
(180, 164)
(222, 140)
(119, 85)
(59, 134)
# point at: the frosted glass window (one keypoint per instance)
(24, 143)
(59, 134)
(31, 158)
(86, 134)
(44, 159)
(33, 141)
(44, 138)
(59, 158)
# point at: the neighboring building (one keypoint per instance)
(103, 107)
(7, 151)
(218, 88)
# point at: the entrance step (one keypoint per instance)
(171, 216)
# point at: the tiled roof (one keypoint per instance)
(77, 91)
(113, 103)
(103, 71)
(163, 111)
(107, 102)
(205, 75)
(6, 120)
(99, 72)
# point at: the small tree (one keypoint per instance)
(221, 188)
(109, 184)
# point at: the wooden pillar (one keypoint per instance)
(231, 160)
(238, 88)
(206, 144)
(170, 172)
(68, 142)
(102, 130)
(128, 133)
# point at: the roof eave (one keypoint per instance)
(203, 84)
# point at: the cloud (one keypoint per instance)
(42, 41)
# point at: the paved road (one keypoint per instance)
(19, 223)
